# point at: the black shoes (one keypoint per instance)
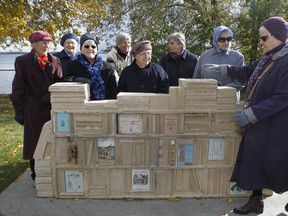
(33, 176)
(254, 204)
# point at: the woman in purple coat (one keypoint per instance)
(262, 158)
(34, 73)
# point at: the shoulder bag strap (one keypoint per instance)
(258, 79)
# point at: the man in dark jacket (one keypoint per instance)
(34, 73)
(179, 62)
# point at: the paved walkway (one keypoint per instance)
(19, 199)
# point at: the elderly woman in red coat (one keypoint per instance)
(34, 73)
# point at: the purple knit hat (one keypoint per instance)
(88, 36)
(67, 36)
(278, 27)
(141, 46)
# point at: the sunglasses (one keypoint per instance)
(88, 46)
(223, 39)
(264, 38)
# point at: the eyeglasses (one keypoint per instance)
(264, 38)
(88, 46)
(223, 39)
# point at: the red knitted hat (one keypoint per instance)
(39, 36)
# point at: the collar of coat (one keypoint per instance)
(282, 52)
(183, 55)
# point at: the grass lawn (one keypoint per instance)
(11, 139)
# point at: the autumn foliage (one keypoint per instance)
(20, 17)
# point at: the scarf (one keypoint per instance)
(98, 87)
(219, 50)
(122, 54)
(177, 57)
(42, 60)
(257, 72)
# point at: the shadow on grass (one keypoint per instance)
(10, 172)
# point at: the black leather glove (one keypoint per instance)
(69, 79)
(83, 80)
(19, 117)
(46, 99)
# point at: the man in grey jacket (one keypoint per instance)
(120, 56)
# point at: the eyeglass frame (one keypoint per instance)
(88, 46)
(264, 37)
(223, 39)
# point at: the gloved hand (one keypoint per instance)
(211, 68)
(215, 68)
(68, 78)
(46, 99)
(83, 80)
(240, 118)
(19, 117)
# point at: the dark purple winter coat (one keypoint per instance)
(29, 85)
(262, 160)
(151, 79)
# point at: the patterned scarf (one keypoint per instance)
(257, 72)
(98, 87)
(42, 60)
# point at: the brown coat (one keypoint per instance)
(29, 85)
